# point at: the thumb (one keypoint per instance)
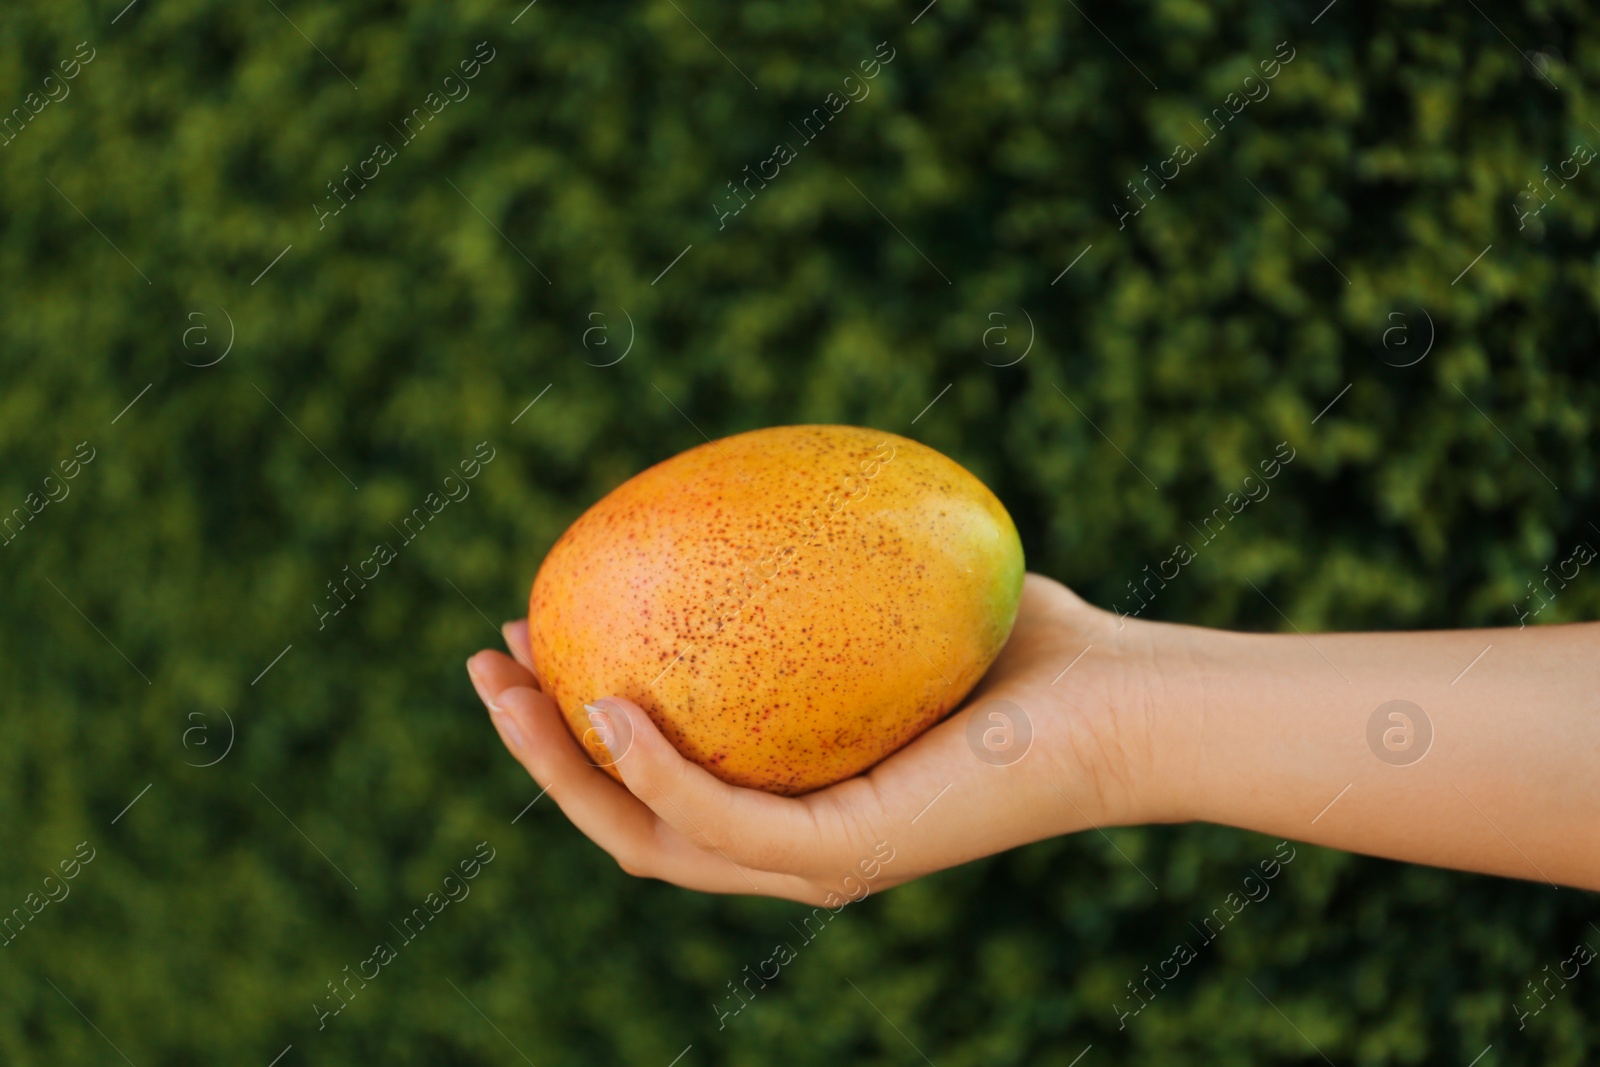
(749, 827)
(626, 742)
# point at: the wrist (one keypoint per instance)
(1121, 693)
(1131, 706)
(1176, 678)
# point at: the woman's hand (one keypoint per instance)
(1062, 729)
(1471, 749)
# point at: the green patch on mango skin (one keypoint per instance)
(1009, 575)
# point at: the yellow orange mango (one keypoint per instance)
(789, 606)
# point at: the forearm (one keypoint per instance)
(1271, 733)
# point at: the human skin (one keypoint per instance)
(1154, 723)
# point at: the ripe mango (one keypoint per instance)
(789, 605)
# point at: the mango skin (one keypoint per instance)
(789, 605)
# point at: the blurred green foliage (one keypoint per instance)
(386, 344)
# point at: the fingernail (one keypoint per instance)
(508, 728)
(602, 726)
(479, 686)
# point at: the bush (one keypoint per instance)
(1344, 265)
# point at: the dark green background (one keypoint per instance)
(409, 330)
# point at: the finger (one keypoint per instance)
(515, 633)
(532, 728)
(493, 673)
(748, 827)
